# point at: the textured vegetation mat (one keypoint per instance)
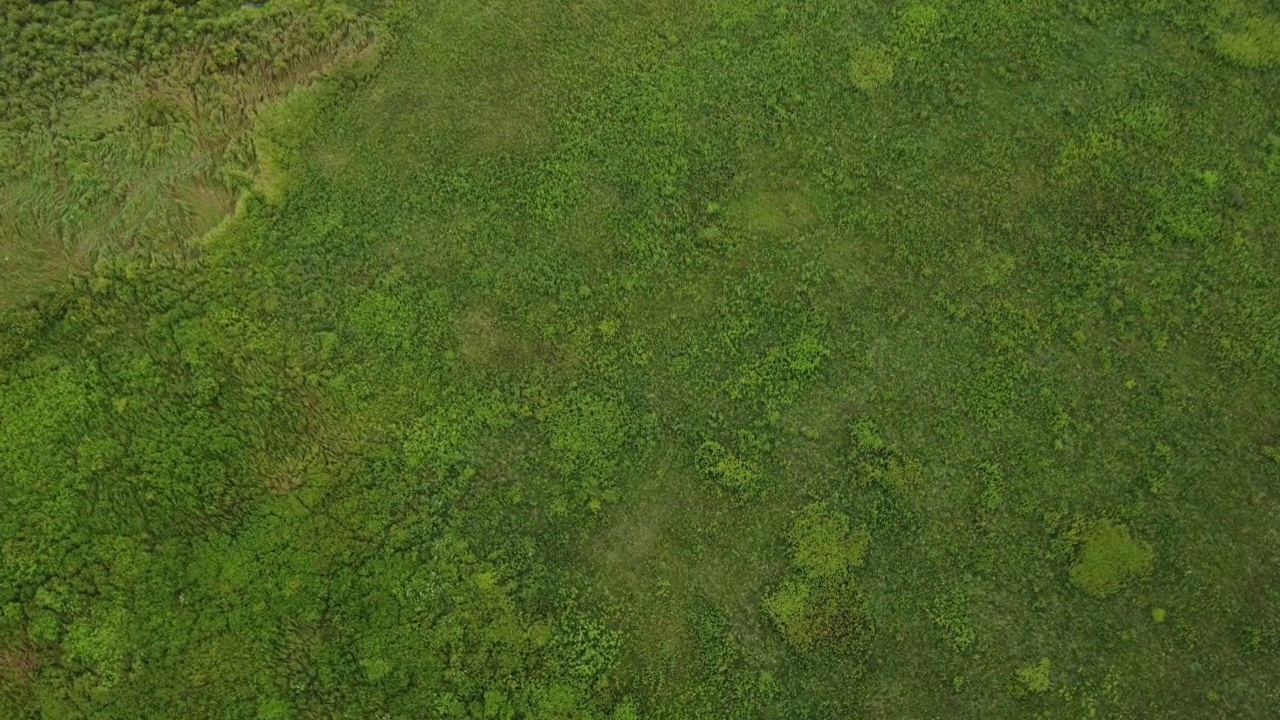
(640, 359)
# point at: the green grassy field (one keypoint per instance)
(644, 359)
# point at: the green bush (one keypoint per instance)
(587, 434)
(875, 462)
(950, 614)
(823, 546)
(1110, 559)
(726, 470)
(819, 616)
(1034, 677)
(819, 608)
(791, 608)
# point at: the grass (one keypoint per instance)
(149, 162)
(562, 359)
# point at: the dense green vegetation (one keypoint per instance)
(640, 359)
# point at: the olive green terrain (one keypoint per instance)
(641, 359)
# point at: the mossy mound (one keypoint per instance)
(1110, 559)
